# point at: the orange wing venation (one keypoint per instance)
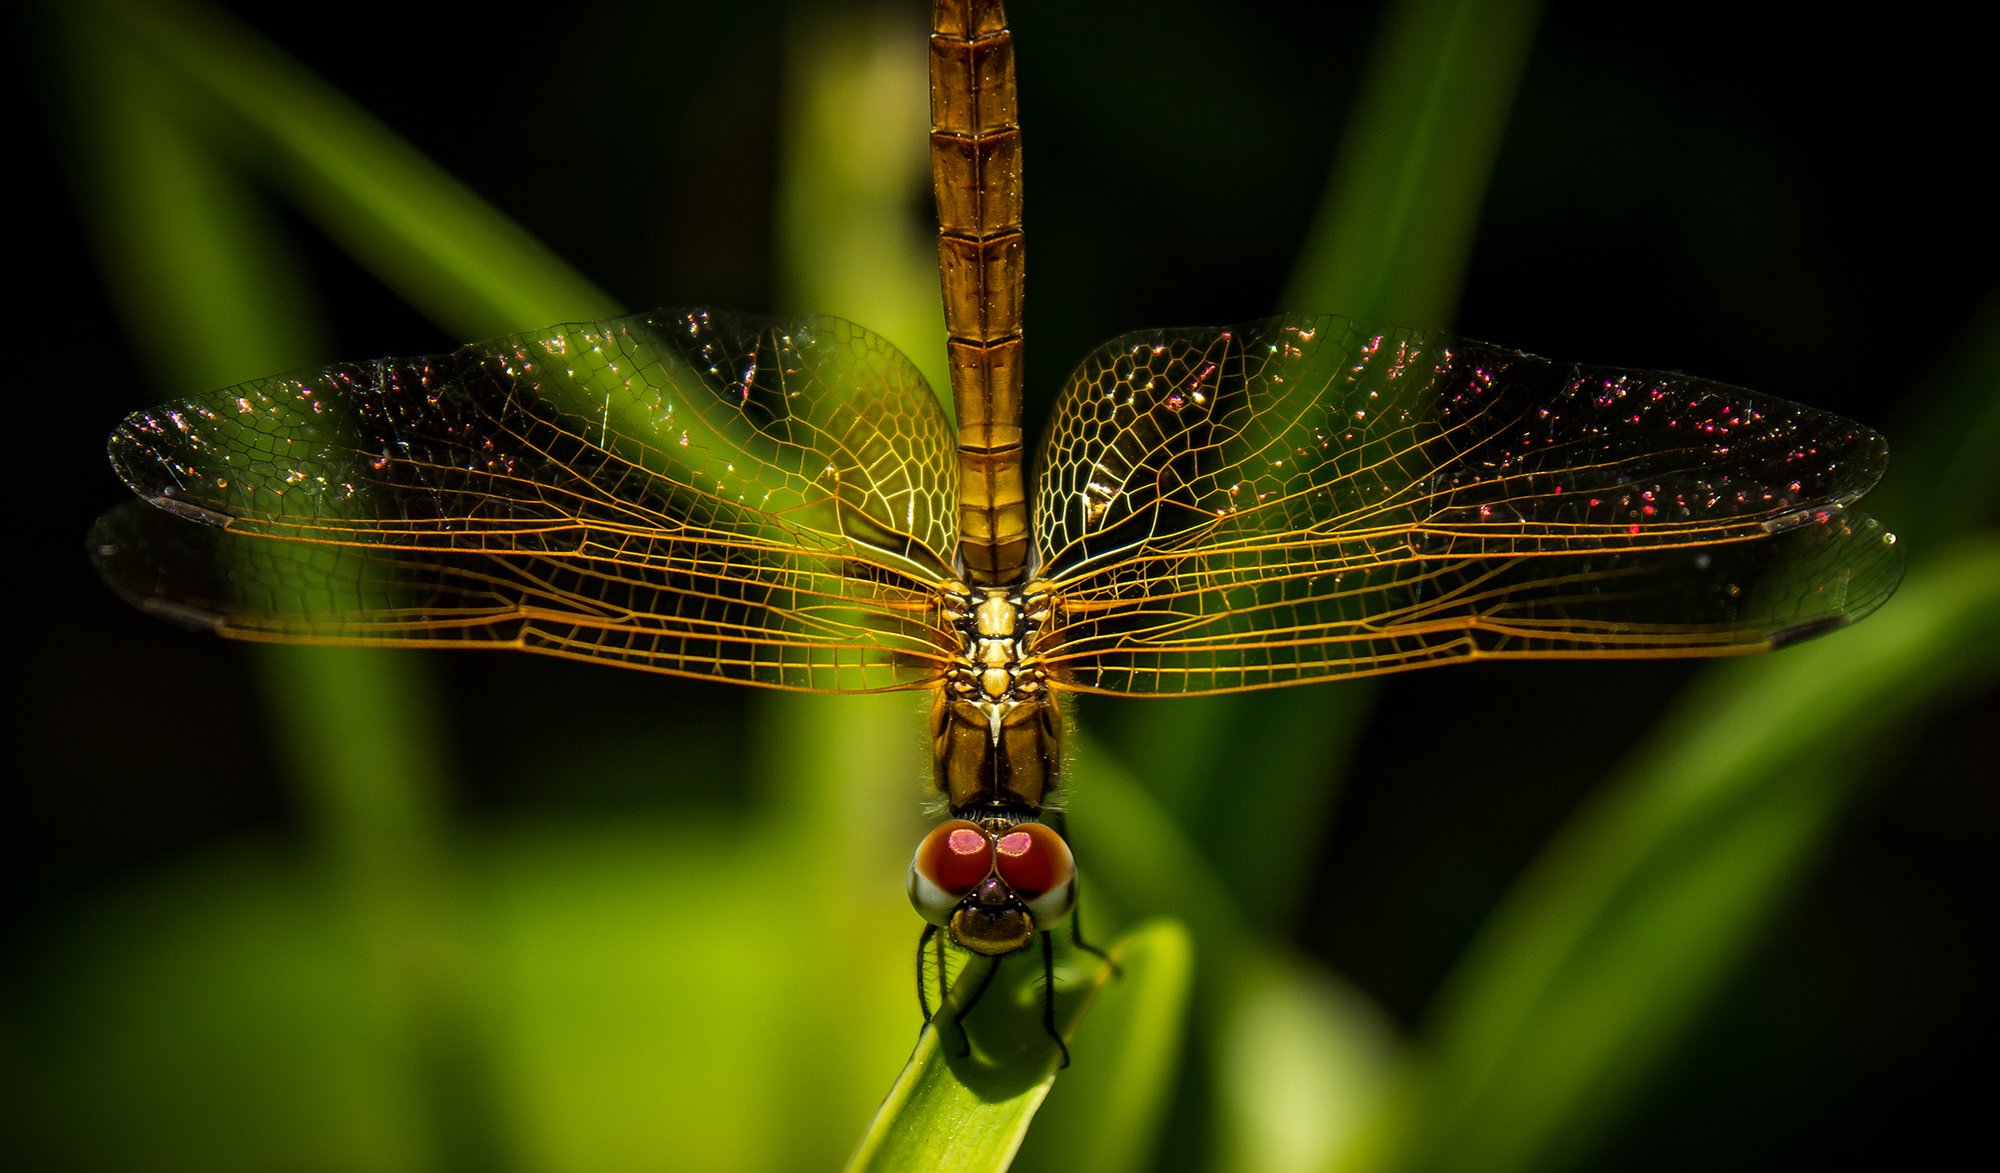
(755, 499)
(1299, 498)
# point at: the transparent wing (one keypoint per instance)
(755, 499)
(1299, 498)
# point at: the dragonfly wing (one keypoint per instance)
(1300, 498)
(754, 499)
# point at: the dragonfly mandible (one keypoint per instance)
(783, 502)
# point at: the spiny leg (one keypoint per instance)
(944, 971)
(1076, 908)
(958, 1019)
(923, 1003)
(1076, 934)
(1049, 995)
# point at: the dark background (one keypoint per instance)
(1787, 202)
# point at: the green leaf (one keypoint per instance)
(202, 274)
(1285, 749)
(1104, 1114)
(965, 1099)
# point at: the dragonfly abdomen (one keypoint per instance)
(976, 174)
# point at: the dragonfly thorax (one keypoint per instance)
(995, 726)
(997, 625)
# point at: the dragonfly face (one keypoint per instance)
(993, 885)
(783, 502)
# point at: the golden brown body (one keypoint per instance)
(976, 173)
(996, 731)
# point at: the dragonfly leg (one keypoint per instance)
(944, 971)
(1076, 910)
(1049, 995)
(923, 1003)
(958, 1019)
(1076, 935)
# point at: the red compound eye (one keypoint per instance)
(1034, 860)
(955, 856)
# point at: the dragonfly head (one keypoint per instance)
(993, 891)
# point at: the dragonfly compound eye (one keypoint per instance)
(950, 862)
(1037, 865)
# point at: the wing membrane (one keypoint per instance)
(1299, 498)
(707, 494)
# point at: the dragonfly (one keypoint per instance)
(784, 502)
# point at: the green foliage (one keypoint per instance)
(207, 282)
(1606, 952)
(421, 995)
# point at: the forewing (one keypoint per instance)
(1300, 498)
(763, 500)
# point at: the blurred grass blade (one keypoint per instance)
(956, 1113)
(1333, 1039)
(427, 236)
(1389, 243)
(1135, 857)
(1944, 477)
(1603, 955)
(202, 275)
(1391, 237)
(201, 271)
(1284, 751)
(1607, 951)
(1303, 1064)
(856, 167)
(357, 734)
(836, 773)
